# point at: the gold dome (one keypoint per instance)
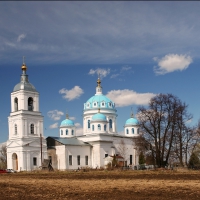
(24, 68)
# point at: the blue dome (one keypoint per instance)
(99, 117)
(131, 121)
(99, 101)
(67, 122)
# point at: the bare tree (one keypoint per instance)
(122, 149)
(3, 157)
(159, 122)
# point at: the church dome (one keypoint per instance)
(131, 121)
(67, 122)
(24, 83)
(99, 117)
(99, 101)
(24, 86)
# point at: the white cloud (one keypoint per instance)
(53, 126)
(55, 114)
(20, 37)
(103, 72)
(72, 118)
(77, 124)
(114, 75)
(172, 62)
(126, 68)
(128, 97)
(72, 94)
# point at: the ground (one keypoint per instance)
(101, 185)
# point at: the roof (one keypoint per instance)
(67, 122)
(24, 84)
(131, 121)
(70, 141)
(101, 101)
(99, 117)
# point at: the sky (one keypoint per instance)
(140, 48)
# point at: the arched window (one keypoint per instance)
(110, 123)
(105, 127)
(72, 132)
(92, 127)
(32, 128)
(30, 104)
(133, 130)
(66, 132)
(88, 105)
(99, 127)
(15, 129)
(88, 123)
(103, 104)
(138, 131)
(16, 104)
(127, 132)
(61, 132)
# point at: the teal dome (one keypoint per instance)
(67, 122)
(99, 117)
(99, 101)
(131, 121)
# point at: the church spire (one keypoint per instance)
(132, 115)
(24, 76)
(98, 87)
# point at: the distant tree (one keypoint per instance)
(3, 157)
(141, 158)
(194, 160)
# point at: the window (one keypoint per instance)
(105, 127)
(133, 130)
(61, 132)
(131, 159)
(92, 127)
(15, 129)
(110, 104)
(99, 127)
(106, 155)
(78, 160)
(88, 105)
(95, 104)
(110, 123)
(34, 161)
(66, 131)
(86, 160)
(30, 104)
(103, 104)
(32, 128)
(16, 104)
(70, 159)
(127, 132)
(72, 132)
(138, 131)
(88, 123)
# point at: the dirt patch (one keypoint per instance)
(101, 185)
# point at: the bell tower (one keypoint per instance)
(25, 127)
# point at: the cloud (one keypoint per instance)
(20, 37)
(126, 68)
(53, 126)
(72, 118)
(77, 124)
(172, 62)
(55, 114)
(128, 97)
(72, 94)
(114, 75)
(100, 71)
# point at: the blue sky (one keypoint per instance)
(140, 48)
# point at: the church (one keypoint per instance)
(94, 148)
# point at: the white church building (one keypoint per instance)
(26, 146)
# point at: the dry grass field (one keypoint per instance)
(101, 185)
